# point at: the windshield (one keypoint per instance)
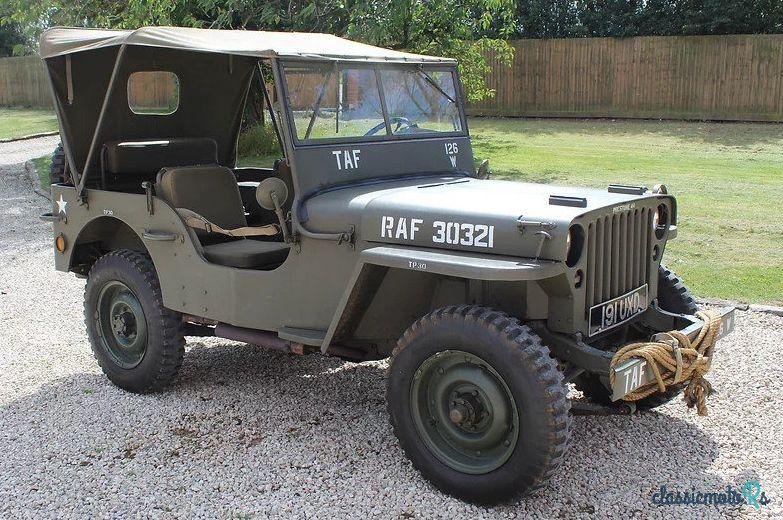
(330, 101)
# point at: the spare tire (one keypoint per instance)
(58, 173)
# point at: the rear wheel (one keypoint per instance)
(477, 403)
(138, 343)
(673, 296)
(58, 172)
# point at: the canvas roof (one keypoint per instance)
(64, 40)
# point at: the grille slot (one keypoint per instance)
(618, 252)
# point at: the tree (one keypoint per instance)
(547, 19)
(12, 41)
(462, 29)
(618, 18)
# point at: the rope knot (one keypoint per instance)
(674, 360)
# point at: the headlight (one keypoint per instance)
(660, 221)
(575, 242)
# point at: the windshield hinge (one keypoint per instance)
(542, 225)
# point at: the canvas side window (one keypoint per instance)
(153, 93)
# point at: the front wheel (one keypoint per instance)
(138, 343)
(477, 403)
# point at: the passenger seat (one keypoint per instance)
(212, 191)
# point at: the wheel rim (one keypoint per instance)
(464, 412)
(122, 325)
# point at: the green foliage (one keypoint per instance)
(461, 29)
(617, 18)
(474, 68)
(12, 41)
(258, 140)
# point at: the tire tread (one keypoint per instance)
(169, 322)
(536, 358)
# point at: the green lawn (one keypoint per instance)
(42, 166)
(18, 122)
(728, 179)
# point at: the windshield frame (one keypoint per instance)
(376, 66)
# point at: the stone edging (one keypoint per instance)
(32, 172)
(768, 309)
(31, 136)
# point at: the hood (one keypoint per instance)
(490, 216)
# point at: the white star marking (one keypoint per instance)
(61, 203)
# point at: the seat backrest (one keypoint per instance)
(150, 155)
(210, 191)
(128, 163)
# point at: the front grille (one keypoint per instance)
(618, 253)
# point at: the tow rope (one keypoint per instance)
(676, 360)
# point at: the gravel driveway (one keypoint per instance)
(253, 433)
(17, 152)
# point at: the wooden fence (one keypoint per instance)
(690, 77)
(23, 82)
(680, 77)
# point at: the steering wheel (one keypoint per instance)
(398, 120)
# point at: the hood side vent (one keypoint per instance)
(562, 200)
(627, 190)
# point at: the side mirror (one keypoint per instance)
(483, 170)
(269, 187)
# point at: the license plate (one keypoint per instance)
(630, 375)
(726, 325)
(617, 311)
(634, 373)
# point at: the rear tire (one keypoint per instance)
(139, 344)
(673, 296)
(496, 397)
(58, 173)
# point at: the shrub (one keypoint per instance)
(258, 140)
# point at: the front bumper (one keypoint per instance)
(579, 357)
(634, 373)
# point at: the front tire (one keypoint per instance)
(139, 344)
(478, 404)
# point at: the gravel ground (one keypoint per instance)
(17, 152)
(250, 433)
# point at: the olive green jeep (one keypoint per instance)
(373, 235)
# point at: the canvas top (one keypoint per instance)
(65, 40)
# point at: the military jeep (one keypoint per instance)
(374, 235)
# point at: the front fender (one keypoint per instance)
(373, 263)
(471, 266)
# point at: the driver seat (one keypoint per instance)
(212, 191)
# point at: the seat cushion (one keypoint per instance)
(210, 191)
(246, 253)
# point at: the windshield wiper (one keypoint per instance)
(434, 83)
(318, 102)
